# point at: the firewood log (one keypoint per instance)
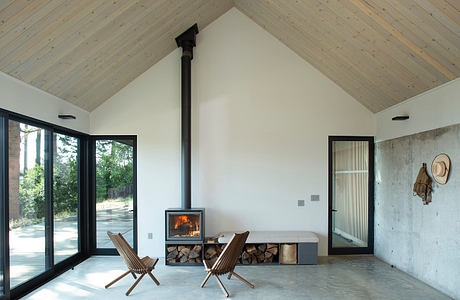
(245, 255)
(171, 260)
(261, 257)
(251, 249)
(268, 260)
(171, 248)
(273, 250)
(262, 247)
(183, 259)
(179, 248)
(186, 251)
(193, 254)
(173, 254)
(197, 248)
(211, 251)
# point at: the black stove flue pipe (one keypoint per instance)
(187, 41)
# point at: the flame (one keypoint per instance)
(182, 220)
(185, 221)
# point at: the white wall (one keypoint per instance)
(261, 118)
(25, 99)
(436, 108)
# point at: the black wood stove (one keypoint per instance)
(185, 223)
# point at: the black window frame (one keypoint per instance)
(92, 224)
(51, 270)
(370, 245)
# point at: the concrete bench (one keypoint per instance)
(307, 242)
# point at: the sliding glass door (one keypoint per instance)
(351, 178)
(40, 229)
(115, 190)
(26, 202)
(65, 195)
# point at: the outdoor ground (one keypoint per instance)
(27, 243)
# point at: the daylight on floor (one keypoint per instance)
(249, 149)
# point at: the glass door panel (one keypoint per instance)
(114, 190)
(65, 196)
(349, 192)
(26, 201)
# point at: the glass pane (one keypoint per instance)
(26, 202)
(184, 225)
(65, 196)
(350, 193)
(114, 190)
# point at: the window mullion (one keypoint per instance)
(49, 237)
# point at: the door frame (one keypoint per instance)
(92, 179)
(51, 270)
(370, 245)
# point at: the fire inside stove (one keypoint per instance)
(184, 225)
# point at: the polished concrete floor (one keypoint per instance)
(344, 277)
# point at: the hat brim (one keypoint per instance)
(446, 160)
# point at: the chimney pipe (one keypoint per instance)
(187, 41)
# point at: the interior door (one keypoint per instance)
(351, 195)
(114, 174)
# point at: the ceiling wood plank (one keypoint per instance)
(345, 46)
(379, 44)
(431, 44)
(411, 45)
(311, 49)
(90, 47)
(142, 57)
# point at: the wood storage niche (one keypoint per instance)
(288, 254)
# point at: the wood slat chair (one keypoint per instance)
(135, 264)
(227, 261)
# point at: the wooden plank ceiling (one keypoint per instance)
(84, 51)
(380, 51)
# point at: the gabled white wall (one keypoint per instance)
(436, 108)
(261, 120)
(19, 97)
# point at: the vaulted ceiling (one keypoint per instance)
(380, 51)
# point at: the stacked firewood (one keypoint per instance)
(258, 254)
(212, 252)
(184, 254)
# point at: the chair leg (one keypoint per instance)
(118, 278)
(153, 278)
(134, 275)
(242, 279)
(206, 279)
(221, 286)
(134, 285)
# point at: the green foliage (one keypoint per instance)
(65, 184)
(114, 171)
(32, 194)
(114, 167)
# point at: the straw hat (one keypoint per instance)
(440, 168)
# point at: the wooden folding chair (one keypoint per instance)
(135, 264)
(227, 261)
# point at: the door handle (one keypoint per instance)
(334, 210)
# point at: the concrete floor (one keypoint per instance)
(335, 277)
